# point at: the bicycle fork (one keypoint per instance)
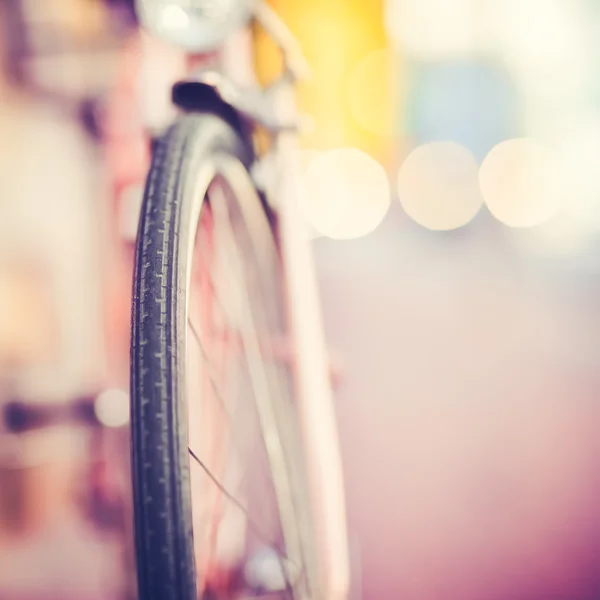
(316, 407)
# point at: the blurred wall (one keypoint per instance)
(468, 416)
(49, 218)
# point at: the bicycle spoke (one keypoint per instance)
(216, 388)
(260, 381)
(214, 382)
(211, 374)
(239, 295)
(252, 524)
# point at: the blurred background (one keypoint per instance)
(450, 186)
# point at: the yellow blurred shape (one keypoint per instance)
(369, 97)
(438, 186)
(520, 183)
(346, 193)
(335, 36)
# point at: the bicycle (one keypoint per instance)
(222, 268)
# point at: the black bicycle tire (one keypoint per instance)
(163, 536)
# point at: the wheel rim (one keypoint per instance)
(231, 377)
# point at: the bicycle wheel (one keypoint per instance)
(220, 499)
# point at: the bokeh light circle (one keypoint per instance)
(438, 186)
(112, 408)
(520, 182)
(578, 151)
(346, 192)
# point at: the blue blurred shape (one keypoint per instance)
(471, 103)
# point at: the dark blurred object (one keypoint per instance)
(14, 39)
(90, 115)
(124, 11)
(21, 416)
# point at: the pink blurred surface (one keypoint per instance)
(65, 561)
(469, 420)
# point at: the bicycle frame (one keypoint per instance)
(233, 88)
(316, 405)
